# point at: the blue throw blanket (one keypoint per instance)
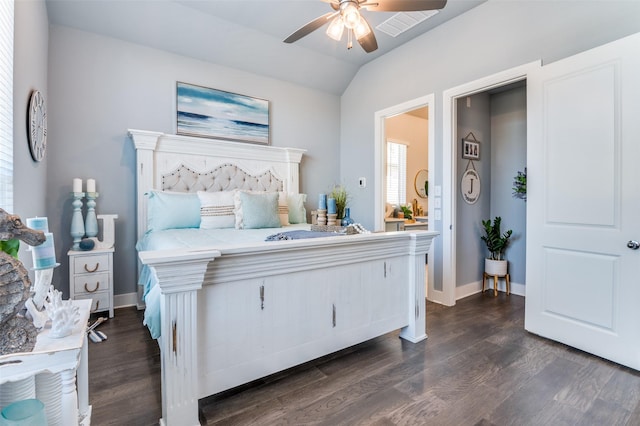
(300, 234)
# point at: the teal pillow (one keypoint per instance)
(257, 210)
(172, 210)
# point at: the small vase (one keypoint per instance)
(346, 220)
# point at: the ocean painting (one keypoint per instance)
(212, 113)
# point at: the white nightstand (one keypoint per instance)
(91, 277)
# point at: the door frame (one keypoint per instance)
(448, 294)
(380, 160)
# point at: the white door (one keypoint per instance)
(583, 201)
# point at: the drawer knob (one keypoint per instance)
(94, 290)
(91, 270)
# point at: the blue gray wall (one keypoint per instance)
(31, 39)
(508, 155)
(470, 250)
(499, 122)
(100, 87)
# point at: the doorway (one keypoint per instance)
(381, 123)
(446, 292)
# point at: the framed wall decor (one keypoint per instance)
(212, 113)
(470, 149)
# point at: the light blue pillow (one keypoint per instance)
(257, 210)
(172, 210)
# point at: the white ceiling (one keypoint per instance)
(242, 34)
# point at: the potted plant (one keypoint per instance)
(339, 192)
(520, 185)
(496, 242)
(406, 212)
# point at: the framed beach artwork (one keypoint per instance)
(211, 113)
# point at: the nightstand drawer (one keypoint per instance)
(91, 264)
(87, 284)
(100, 301)
(91, 277)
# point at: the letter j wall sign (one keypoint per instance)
(470, 186)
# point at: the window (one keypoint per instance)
(396, 173)
(6, 105)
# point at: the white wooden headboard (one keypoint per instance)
(188, 164)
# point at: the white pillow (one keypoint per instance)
(297, 212)
(256, 210)
(216, 209)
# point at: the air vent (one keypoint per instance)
(401, 22)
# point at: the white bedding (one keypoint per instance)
(191, 238)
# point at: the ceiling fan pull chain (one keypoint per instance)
(350, 42)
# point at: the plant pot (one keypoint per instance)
(495, 267)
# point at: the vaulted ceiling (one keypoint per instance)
(243, 34)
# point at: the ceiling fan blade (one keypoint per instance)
(368, 42)
(309, 28)
(403, 5)
(335, 4)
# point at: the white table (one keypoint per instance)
(49, 373)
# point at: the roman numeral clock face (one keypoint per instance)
(37, 126)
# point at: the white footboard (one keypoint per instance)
(233, 315)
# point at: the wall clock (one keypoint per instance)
(470, 186)
(37, 126)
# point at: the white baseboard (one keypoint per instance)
(124, 300)
(476, 287)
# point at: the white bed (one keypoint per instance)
(234, 312)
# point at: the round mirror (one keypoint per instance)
(421, 183)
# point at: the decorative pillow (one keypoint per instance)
(283, 208)
(216, 209)
(172, 210)
(256, 210)
(297, 212)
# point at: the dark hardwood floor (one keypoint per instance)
(478, 367)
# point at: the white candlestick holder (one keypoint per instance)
(91, 222)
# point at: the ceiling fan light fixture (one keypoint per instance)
(336, 28)
(362, 29)
(350, 15)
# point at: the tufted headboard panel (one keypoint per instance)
(223, 178)
(189, 164)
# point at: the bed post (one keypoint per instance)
(179, 277)
(145, 143)
(293, 156)
(416, 331)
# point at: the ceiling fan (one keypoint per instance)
(347, 15)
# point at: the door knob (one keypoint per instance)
(633, 245)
